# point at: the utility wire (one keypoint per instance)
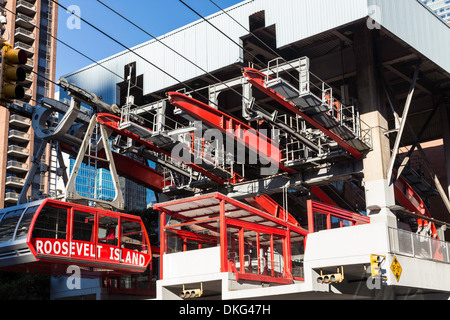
(173, 50)
(181, 55)
(130, 50)
(257, 38)
(176, 52)
(72, 48)
(227, 36)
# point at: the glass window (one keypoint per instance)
(233, 246)
(8, 225)
(51, 223)
(83, 226)
(251, 254)
(278, 261)
(108, 230)
(133, 236)
(174, 242)
(297, 256)
(264, 253)
(24, 225)
(320, 222)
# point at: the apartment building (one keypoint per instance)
(31, 26)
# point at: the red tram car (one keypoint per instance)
(47, 236)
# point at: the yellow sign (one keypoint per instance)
(396, 268)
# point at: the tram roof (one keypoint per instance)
(199, 208)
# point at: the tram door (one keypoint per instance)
(83, 235)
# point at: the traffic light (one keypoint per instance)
(375, 264)
(193, 293)
(12, 72)
(337, 277)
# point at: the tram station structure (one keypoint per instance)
(302, 151)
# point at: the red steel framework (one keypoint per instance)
(228, 125)
(112, 122)
(237, 228)
(412, 202)
(241, 132)
(258, 79)
(264, 202)
(240, 226)
(325, 217)
(131, 169)
(219, 120)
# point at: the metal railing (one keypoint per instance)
(16, 117)
(418, 246)
(12, 195)
(346, 116)
(15, 180)
(29, 21)
(23, 46)
(17, 164)
(25, 32)
(18, 149)
(26, 4)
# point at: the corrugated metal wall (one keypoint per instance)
(295, 20)
(199, 42)
(301, 19)
(420, 28)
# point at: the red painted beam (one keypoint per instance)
(112, 122)
(322, 196)
(136, 171)
(240, 131)
(265, 202)
(131, 169)
(258, 79)
(411, 201)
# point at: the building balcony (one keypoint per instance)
(19, 121)
(18, 152)
(24, 21)
(12, 197)
(30, 63)
(28, 94)
(24, 35)
(18, 136)
(25, 47)
(14, 182)
(26, 7)
(16, 166)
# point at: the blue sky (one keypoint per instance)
(157, 17)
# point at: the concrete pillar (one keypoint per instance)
(372, 107)
(445, 116)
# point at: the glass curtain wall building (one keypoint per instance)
(96, 183)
